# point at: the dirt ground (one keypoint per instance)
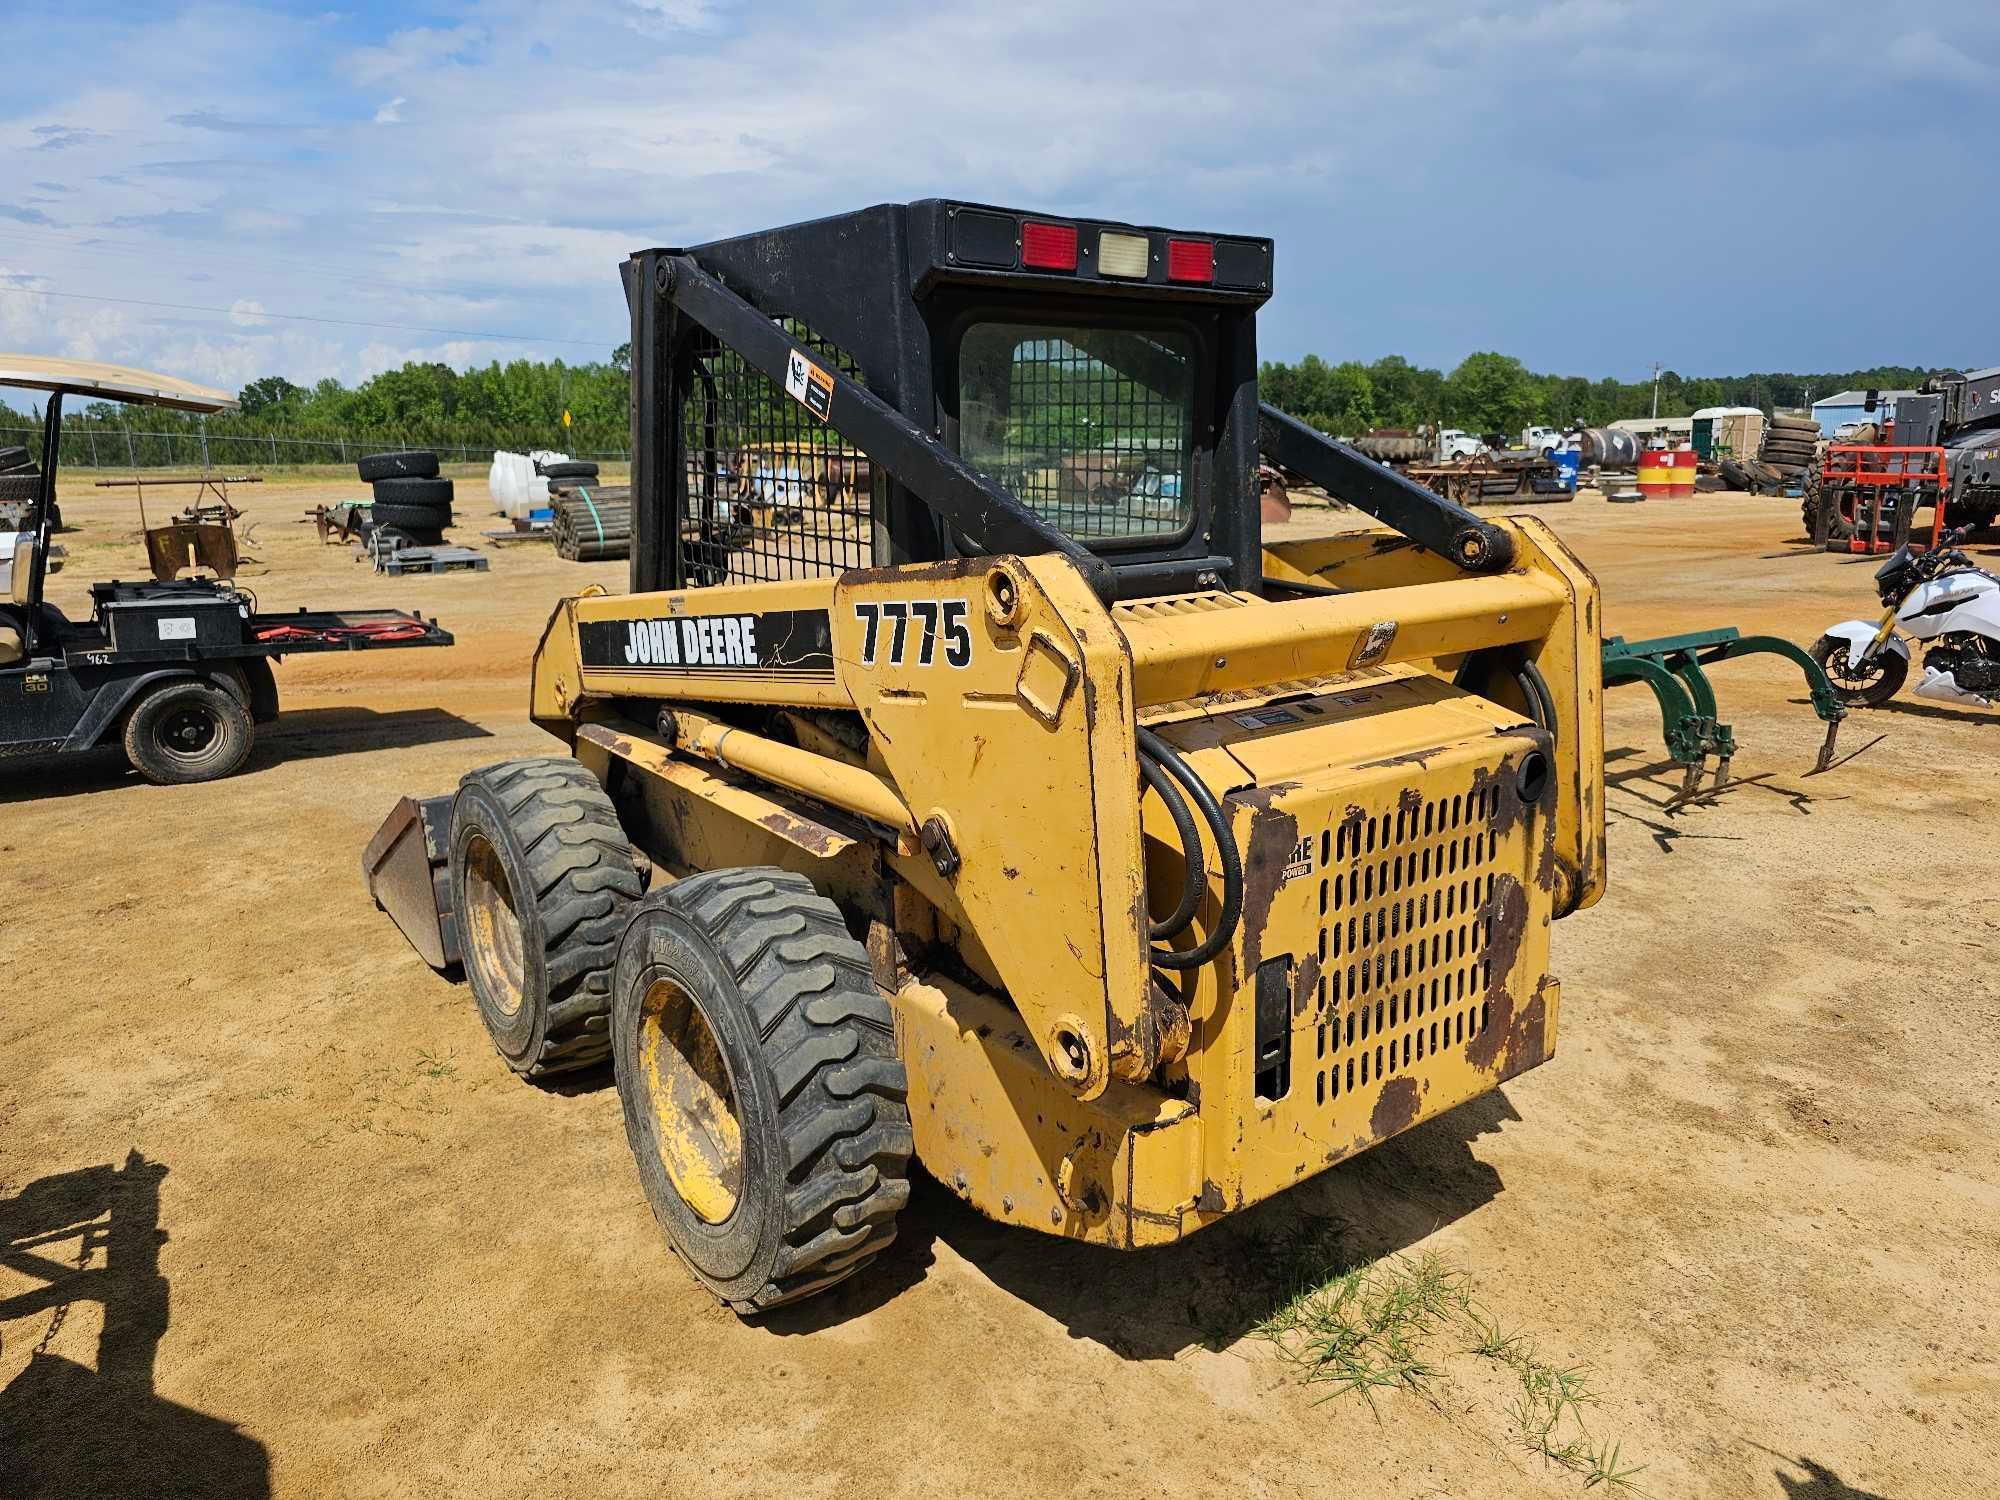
(335, 1248)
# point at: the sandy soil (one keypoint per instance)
(1756, 1189)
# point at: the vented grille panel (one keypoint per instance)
(1406, 936)
(772, 492)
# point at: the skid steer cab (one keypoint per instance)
(965, 779)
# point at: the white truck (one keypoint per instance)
(1454, 443)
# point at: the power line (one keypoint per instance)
(231, 312)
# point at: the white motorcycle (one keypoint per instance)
(1946, 603)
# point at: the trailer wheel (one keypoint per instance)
(763, 1097)
(185, 730)
(543, 878)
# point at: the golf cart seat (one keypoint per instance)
(10, 631)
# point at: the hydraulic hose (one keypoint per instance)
(1192, 883)
(1153, 747)
(1528, 679)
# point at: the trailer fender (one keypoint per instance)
(1859, 635)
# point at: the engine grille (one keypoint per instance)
(1405, 937)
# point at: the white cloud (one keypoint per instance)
(1464, 171)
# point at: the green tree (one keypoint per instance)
(1489, 393)
(269, 396)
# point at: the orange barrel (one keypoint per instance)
(1666, 476)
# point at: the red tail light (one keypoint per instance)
(1048, 247)
(1190, 260)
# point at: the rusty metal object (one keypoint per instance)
(405, 868)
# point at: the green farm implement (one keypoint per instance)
(1672, 666)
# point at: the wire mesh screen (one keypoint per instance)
(772, 492)
(1091, 428)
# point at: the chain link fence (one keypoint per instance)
(89, 444)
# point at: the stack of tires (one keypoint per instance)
(1789, 446)
(567, 471)
(20, 483)
(411, 501)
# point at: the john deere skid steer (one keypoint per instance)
(964, 779)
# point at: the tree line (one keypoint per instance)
(520, 404)
(1495, 393)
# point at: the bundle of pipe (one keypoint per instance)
(593, 524)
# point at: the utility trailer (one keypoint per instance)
(1037, 820)
(177, 672)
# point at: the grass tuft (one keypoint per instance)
(1378, 1326)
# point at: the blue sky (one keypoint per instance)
(1590, 185)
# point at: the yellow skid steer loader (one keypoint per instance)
(1014, 808)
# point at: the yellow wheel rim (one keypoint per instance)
(694, 1105)
(493, 927)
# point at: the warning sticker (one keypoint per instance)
(1266, 718)
(809, 385)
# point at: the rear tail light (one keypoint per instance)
(1122, 254)
(1048, 247)
(1190, 260)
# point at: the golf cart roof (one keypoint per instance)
(110, 383)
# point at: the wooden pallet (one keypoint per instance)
(431, 560)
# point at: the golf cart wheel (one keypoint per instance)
(184, 731)
(543, 878)
(1870, 685)
(763, 1097)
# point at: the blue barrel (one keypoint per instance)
(1568, 461)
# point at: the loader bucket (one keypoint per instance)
(407, 868)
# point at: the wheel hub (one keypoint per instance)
(188, 732)
(694, 1104)
(494, 944)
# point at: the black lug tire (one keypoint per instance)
(411, 464)
(1895, 668)
(570, 881)
(413, 492)
(164, 711)
(819, 1093)
(411, 517)
(568, 469)
(1780, 426)
(55, 516)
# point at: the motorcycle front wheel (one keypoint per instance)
(1871, 684)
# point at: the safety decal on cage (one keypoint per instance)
(809, 385)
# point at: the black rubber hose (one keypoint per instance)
(1536, 687)
(1193, 882)
(1225, 846)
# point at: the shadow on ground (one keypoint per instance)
(69, 1430)
(1211, 1288)
(298, 734)
(1817, 1482)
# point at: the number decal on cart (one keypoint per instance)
(896, 633)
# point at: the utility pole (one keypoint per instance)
(1656, 390)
